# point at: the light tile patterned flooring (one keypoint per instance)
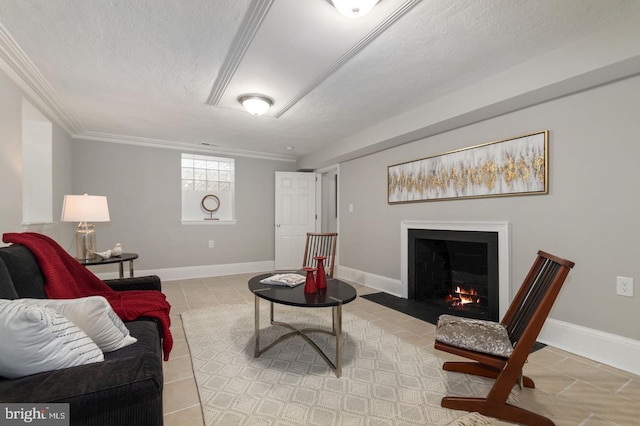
(572, 390)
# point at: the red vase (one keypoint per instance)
(310, 282)
(321, 275)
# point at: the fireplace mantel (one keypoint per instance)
(504, 262)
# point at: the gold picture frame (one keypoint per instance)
(515, 166)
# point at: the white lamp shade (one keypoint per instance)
(255, 104)
(85, 208)
(354, 8)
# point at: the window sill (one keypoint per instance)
(209, 222)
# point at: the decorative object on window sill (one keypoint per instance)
(516, 166)
(85, 208)
(210, 203)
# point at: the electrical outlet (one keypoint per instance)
(624, 286)
(211, 245)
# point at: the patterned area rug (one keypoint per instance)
(385, 381)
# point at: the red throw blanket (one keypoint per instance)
(66, 278)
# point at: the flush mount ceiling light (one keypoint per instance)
(255, 104)
(354, 8)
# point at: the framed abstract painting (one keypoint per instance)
(516, 166)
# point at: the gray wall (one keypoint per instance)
(142, 186)
(590, 215)
(11, 165)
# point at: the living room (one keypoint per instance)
(583, 91)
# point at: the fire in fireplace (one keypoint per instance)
(454, 272)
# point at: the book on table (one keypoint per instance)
(287, 280)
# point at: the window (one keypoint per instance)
(204, 175)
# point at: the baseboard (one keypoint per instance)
(616, 351)
(188, 272)
(611, 349)
(376, 282)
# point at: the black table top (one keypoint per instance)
(337, 292)
(113, 259)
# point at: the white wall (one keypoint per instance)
(590, 215)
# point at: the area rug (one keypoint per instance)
(385, 380)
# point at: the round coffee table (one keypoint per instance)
(334, 296)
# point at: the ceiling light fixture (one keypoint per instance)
(354, 8)
(255, 104)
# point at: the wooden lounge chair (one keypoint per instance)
(499, 350)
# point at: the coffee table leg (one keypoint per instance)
(337, 330)
(256, 350)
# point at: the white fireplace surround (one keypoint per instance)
(504, 258)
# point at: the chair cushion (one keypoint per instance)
(477, 335)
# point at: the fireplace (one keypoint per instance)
(450, 238)
(454, 272)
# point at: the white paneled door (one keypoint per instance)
(295, 216)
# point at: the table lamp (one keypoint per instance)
(83, 209)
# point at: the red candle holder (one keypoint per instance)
(321, 275)
(310, 282)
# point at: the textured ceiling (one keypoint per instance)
(169, 72)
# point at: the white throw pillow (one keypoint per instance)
(36, 339)
(95, 317)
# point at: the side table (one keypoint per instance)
(124, 257)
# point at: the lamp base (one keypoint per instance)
(86, 241)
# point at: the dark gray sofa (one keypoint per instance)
(124, 389)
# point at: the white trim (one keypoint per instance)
(176, 145)
(376, 282)
(38, 226)
(504, 251)
(616, 351)
(209, 222)
(610, 349)
(188, 272)
(19, 67)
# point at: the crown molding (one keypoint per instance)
(250, 25)
(364, 42)
(17, 65)
(182, 146)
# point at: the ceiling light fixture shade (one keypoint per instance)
(354, 8)
(255, 104)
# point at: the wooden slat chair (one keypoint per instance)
(499, 350)
(321, 244)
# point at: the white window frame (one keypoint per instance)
(202, 175)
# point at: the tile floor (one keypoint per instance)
(571, 389)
